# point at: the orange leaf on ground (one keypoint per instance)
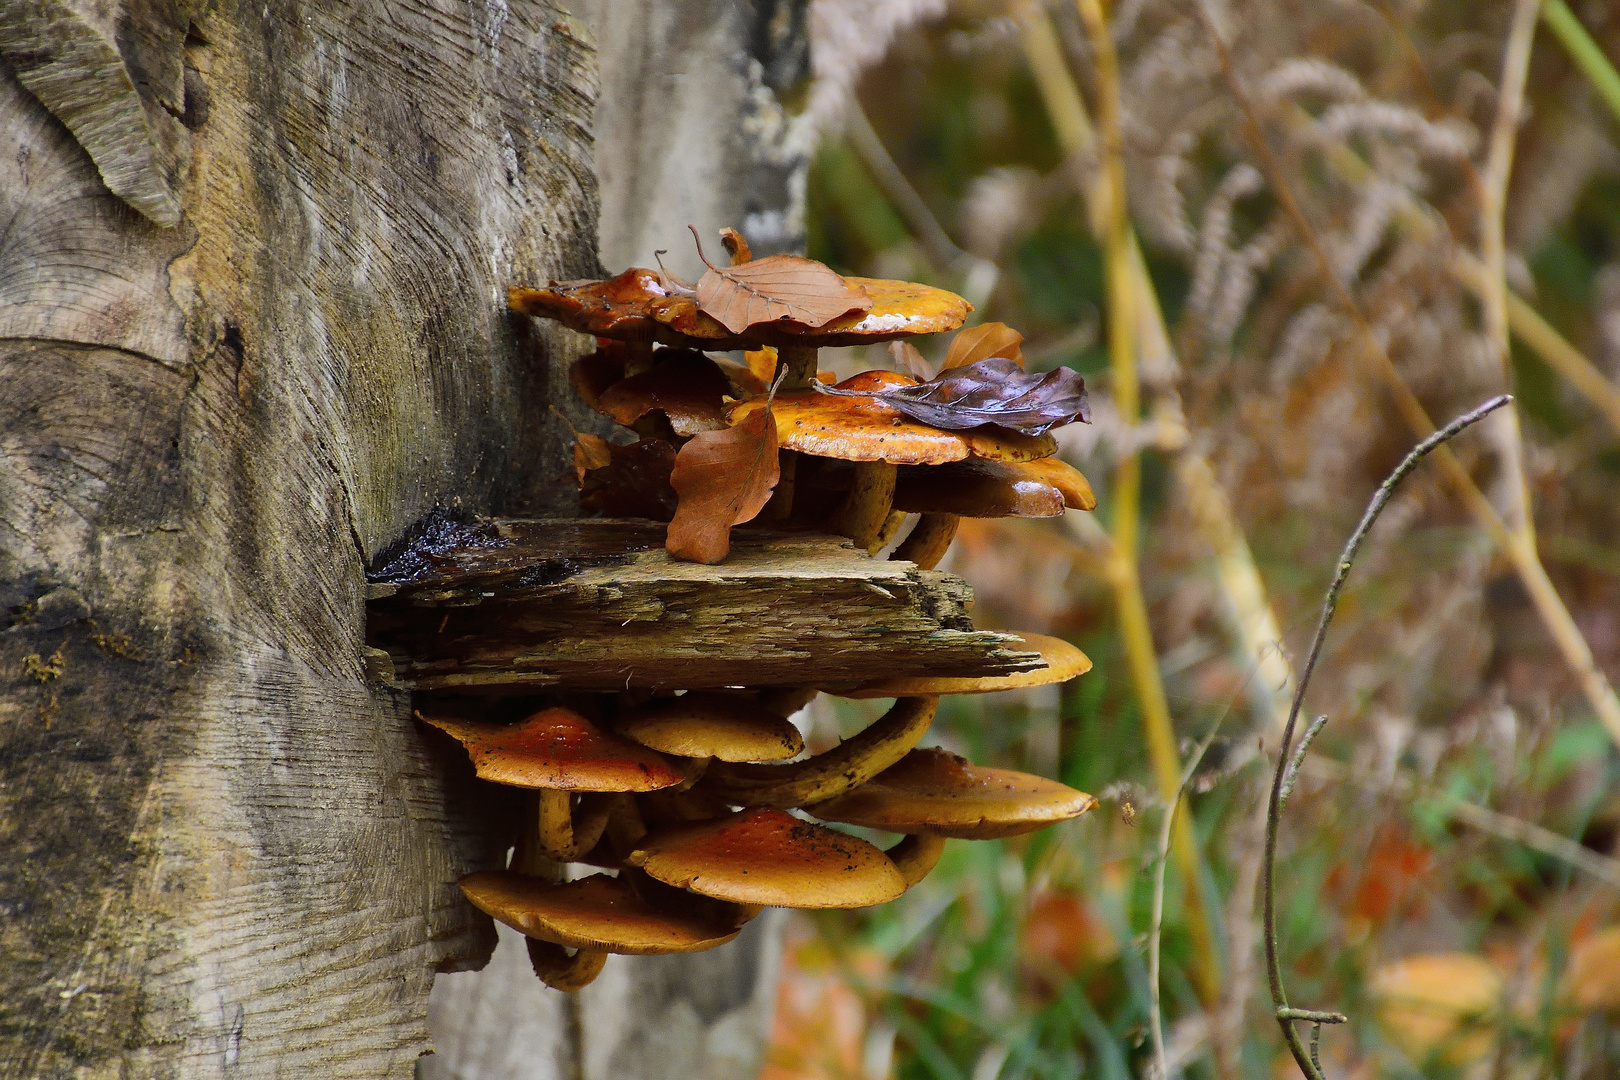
(723, 478)
(981, 343)
(777, 287)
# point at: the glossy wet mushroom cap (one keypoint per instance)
(1063, 662)
(862, 429)
(635, 306)
(727, 727)
(597, 912)
(770, 857)
(936, 793)
(559, 749)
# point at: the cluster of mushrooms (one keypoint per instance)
(695, 806)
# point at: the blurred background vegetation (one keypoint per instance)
(1350, 216)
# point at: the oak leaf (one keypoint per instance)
(993, 391)
(776, 288)
(722, 478)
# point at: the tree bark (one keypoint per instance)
(253, 261)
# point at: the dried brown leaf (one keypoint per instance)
(905, 355)
(722, 478)
(776, 288)
(993, 391)
(590, 452)
(981, 343)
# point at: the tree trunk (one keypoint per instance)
(252, 329)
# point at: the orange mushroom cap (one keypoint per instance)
(597, 912)
(864, 429)
(635, 306)
(707, 724)
(1063, 662)
(558, 748)
(770, 857)
(936, 793)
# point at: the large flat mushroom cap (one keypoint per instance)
(597, 912)
(705, 724)
(1063, 662)
(558, 748)
(634, 306)
(934, 792)
(771, 857)
(865, 429)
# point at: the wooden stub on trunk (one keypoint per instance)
(599, 605)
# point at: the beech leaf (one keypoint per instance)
(777, 287)
(722, 478)
(981, 343)
(994, 391)
(590, 452)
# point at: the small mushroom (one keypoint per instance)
(1063, 662)
(595, 915)
(982, 488)
(557, 751)
(770, 857)
(831, 772)
(707, 724)
(933, 792)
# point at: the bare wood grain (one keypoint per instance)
(599, 605)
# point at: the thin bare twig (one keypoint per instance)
(1286, 1016)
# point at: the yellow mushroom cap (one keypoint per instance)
(558, 748)
(634, 306)
(598, 912)
(770, 857)
(936, 793)
(707, 724)
(1063, 662)
(866, 429)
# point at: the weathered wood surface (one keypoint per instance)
(599, 605)
(223, 852)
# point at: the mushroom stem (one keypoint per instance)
(562, 972)
(916, 855)
(852, 762)
(891, 527)
(929, 539)
(787, 700)
(624, 825)
(800, 362)
(780, 506)
(637, 357)
(561, 837)
(867, 505)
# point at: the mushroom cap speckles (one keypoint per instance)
(937, 793)
(865, 429)
(635, 306)
(558, 748)
(1063, 662)
(770, 857)
(596, 912)
(706, 724)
